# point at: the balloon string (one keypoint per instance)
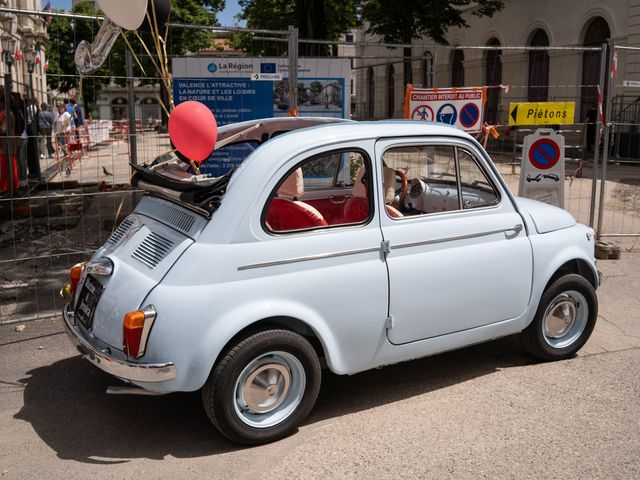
(133, 53)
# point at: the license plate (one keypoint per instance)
(88, 301)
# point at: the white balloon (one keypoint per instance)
(127, 14)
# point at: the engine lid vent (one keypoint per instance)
(153, 249)
(120, 231)
(173, 216)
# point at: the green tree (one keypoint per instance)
(404, 21)
(65, 34)
(315, 19)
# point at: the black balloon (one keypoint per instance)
(162, 9)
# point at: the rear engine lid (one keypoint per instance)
(142, 249)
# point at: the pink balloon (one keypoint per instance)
(193, 130)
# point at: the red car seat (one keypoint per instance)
(290, 213)
(356, 208)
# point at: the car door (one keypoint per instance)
(459, 257)
(330, 269)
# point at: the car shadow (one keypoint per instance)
(66, 404)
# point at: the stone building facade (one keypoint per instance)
(540, 75)
(30, 33)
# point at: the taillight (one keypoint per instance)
(135, 331)
(74, 278)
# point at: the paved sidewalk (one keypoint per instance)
(483, 412)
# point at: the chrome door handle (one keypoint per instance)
(516, 228)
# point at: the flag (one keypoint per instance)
(46, 65)
(18, 52)
(38, 60)
(47, 8)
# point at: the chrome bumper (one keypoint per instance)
(135, 372)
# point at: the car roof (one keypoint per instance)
(356, 130)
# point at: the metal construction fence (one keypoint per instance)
(619, 203)
(83, 190)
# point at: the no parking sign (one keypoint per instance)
(542, 172)
(460, 107)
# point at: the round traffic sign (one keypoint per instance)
(422, 112)
(447, 113)
(469, 115)
(544, 154)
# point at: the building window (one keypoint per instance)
(457, 70)
(427, 70)
(596, 34)
(371, 94)
(538, 68)
(493, 76)
(348, 38)
(391, 91)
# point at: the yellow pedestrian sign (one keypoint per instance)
(541, 113)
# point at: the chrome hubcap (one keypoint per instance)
(565, 319)
(266, 388)
(269, 389)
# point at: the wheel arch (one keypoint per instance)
(277, 322)
(578, 266)
(240, 323)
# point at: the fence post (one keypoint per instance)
(8, 85)
(133, 143)
(293, 67)
(605, 154)
(596, 152)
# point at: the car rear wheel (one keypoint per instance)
(263, 387)
(564, 320)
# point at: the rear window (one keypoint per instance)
(227, 158)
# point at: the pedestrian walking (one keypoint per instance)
(62, 127)
(33, 156)
(45, 125)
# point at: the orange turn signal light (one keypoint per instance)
(134, 320)
(134, 333)
(74, 278)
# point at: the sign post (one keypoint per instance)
(542, 168)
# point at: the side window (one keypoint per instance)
(431, 180)
(477, 190)
(323, 191)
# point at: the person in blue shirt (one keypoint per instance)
(77, 116)
(69, 108)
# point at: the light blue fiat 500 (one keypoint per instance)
(346, 244)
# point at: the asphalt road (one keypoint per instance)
(488, 411)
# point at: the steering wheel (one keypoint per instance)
(403, 189)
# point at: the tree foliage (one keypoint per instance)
(402, 22)
(315, 19)
(65, 34)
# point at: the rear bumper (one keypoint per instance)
(134, 372)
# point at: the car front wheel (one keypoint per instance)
(263, 387)
(564, 320)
